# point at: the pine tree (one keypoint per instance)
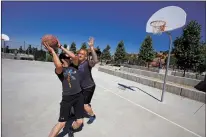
(147, 53)
(65, 46)
(98, 51)
(187, 47)
(120, 54)
(29, 50)
(7, 49)
(20, 49)
(132, 58)
(173, 61)
(84, 45)
(73, 48)
(106, 55)
(201, 67)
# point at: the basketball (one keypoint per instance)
(51, 40)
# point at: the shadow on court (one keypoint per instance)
(123, 87)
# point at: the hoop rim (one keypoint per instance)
(152, 23)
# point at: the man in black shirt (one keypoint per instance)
(67, 72)
(86, 80)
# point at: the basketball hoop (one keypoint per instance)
(158, 26)
(172, 16)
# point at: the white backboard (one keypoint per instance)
(4, 37)
(175, 17)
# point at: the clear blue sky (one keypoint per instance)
(108, 22)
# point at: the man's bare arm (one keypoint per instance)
(94, 58)
(55, 57)
(71, 54)
(57, 63)
(68, 52)
(94, 54)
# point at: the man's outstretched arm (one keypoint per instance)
(55, 57)
(71, 54)
(94, 54)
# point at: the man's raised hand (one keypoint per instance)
(91, 42)
(46, 45)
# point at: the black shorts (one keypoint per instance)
(68, 101)
(88, 94)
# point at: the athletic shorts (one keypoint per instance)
(68, 101)
(88, 94)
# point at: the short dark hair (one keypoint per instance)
(63, 56)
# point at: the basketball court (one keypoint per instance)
(31, 93)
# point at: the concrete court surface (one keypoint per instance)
(31, 93)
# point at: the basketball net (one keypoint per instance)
(158, 26)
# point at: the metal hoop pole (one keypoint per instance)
(168, 62)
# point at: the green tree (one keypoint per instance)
(120, 53)
(147, 53)
(98, 48)
(132, 58)
(20, 49)
(34, 50)
(187, 47)
(7, 49)
(40, 55)
(99, 53)
(201, 67)
(49, 57)
(84, 45)
(106, 55)
(65, 46)
(73, 48)
(29, 49)
(166, 52)
(173, 61)
(140, 61)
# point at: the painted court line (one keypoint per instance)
(149, 110)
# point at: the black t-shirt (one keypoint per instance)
(70, 80)
(85, 73)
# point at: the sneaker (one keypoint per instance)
(86, 115)
(70, 133)
(91, 119)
